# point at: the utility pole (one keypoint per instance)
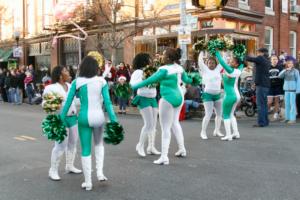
(183, 23)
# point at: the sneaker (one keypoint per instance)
(291, 122)
(285, 121)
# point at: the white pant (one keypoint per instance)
(169, 120)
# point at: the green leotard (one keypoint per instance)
(232, 95)
(169, 77)
(91, 114)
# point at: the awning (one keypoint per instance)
(5, 54)
(200, 33)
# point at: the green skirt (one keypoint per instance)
(71, 121)
(211, 97)
(143, 102)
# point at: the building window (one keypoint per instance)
(293, 43)
(269, 4)
(243, 4)
(269, 38)
(148, 5)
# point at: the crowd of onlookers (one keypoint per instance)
(262, 72)
(274, 80)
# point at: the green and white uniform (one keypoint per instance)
(170, 78)
(92, 92)
(211, 97)
(147, 104)
(69, 144)
(231, 98)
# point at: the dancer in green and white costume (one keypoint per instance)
(169, 76)
(92, 91)
(232, 95)
(147, 104)
(212, 100)
(60, 77)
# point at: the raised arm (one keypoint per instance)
(156, 77)
(201, 64)
(282, 74)
(71, 95)
(252, 59)
(227, 68)
(186, 79)
(108, 105)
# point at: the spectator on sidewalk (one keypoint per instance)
(122, 92)
(29, 87)
(21, 87)
(192, 98)
(276, 89)
(2, 85)
(262, 82)
(246, 73)
(291, 87)
(7, 82)
(14, 90)
(123, 71)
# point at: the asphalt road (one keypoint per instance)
(263, 165)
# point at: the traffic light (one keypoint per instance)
(199, 3)
(221, 3)
(202, 3)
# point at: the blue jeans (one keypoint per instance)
(29, 93)
(122, 103)
(190, 103)
(262, 105)
(13, 95)
(290, 106)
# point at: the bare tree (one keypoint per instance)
(121, 21)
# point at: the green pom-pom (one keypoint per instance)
(214, 45)
(54, 128)
(196, 78)
(114, 133)
(239, 51)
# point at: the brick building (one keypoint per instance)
(255, 23)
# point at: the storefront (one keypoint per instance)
(156, 40)
(70, 55)
(40, 57)
(6, 57)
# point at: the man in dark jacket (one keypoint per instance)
(262, 82)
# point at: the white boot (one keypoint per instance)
(236, 134)
(227, 124)
(70, 157)
(181, 149)
(203, 135)
(87, 172)
(217, 132)
(99, 155)
(140, 146)
(163, 160)
(55, 160)
(151, 150)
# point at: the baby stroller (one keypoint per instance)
(248, 98)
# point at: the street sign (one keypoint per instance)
(192, 21)
(184, 35)
(17, 52)
(171, 6)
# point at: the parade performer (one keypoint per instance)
(212, 100)
(232, 95)
(147, 104)
(60, 77)
(169, 76)
(92, 91)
